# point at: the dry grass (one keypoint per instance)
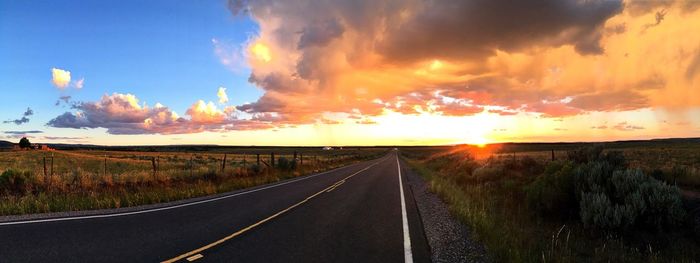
(488, 195)
(82, 180)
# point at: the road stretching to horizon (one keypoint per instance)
(363, 212)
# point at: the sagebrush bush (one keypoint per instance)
(553, 191)
(286, 164)
(616, 199)
(15, 182)
(488, 173)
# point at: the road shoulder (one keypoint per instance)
(449, 240)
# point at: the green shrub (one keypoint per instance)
(255, 169)
(553, 191)
(15, 182)
(531, 166)
(283, 163)
(488, 173)
(615, 199)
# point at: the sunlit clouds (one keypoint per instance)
(202, 112)
(435, 72)
(223, 97)
(60, 78)
(564, 59)
(261, 52)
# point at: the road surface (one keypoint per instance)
(353, 214)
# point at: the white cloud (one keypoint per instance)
(79, 83)
(60, 78)
(223, 98)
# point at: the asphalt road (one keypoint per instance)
(352, 214)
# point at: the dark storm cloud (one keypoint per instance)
(459, 29)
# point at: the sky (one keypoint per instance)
(363, 72)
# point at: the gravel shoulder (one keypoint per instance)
(449, 239)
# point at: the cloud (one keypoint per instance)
(22, 132)
(221, 93)
(231, 56)
(62, 138)
(123, 114)
(553, 109)
(79, 83)
(693, 67)
(23, 119)
(599, 127)
(611, 101)
(65, 99)
(449, 29)
(659, 17)
(329, 121)
(458, 108)
(624, 126)
(202, 112)
(555, 58)
(320, 34)
(366, 121)
(60, 78)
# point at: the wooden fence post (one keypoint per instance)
(44, 166)
(51, 164)
(104, 169)
(257, 155)
(153, 163)
(552, 154)
(191, 165)
(272, 159)
(223, 164)
(244, 164)
(301, 159)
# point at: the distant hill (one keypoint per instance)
(6, 145)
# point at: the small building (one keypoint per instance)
(327, 148)
(45, 147)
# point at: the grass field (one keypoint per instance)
(70, 180)
(500, 192)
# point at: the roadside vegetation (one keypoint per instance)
(33, 181)
(586, 204)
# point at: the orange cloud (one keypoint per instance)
(122, 114)
(561, 59)
(202, 112)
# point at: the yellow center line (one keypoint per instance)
(193, 253)
(195, 257)
(335, 186)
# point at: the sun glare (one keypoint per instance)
(435, 65)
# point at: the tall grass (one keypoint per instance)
(81, 181)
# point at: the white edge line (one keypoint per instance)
(167, 207)
(408, 254)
